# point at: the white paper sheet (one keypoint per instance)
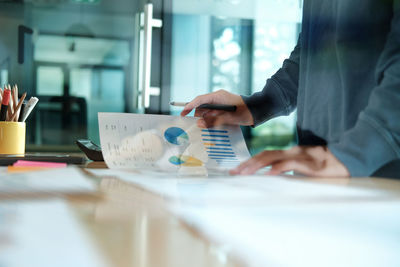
(168, 143)
(44, 233)
(64, 180)
(347, 233)
(242, 190)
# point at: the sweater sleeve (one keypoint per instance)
(279, 96)
(374, 140)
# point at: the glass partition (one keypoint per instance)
(83, 57)
(234, 45)
(77, 57)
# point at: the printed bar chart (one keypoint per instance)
(218, 146)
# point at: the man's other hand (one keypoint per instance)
(310, 161)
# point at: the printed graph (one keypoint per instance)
(186, 161)
(218, 146)
(176, 136)
(131, 141)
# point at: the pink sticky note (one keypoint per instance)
(44, 164)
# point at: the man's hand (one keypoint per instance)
(310, 161)
(210, 118)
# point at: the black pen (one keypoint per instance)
(22, 111)
(231, 108)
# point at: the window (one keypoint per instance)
(84, 57)
(236, 46)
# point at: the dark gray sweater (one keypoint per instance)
(344, 78)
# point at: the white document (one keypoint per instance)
(240, 190)
(44, 233)
(63, 180)
(168, 143)
(327, 233)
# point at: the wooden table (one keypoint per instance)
(131, 226)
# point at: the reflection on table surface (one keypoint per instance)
(133, 227)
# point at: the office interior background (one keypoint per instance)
(81, 57)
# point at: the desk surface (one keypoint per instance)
(131, 226)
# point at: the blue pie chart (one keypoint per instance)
(176, 136)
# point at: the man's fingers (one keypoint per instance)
(199, 112)
(185, 112)
(210, 118)
(202, 112)
(297, 165)
(244, 165)
(238, 170)
(310, 161)
(201, 123)
(188, 108)
(306, 166)
(213, 118)
(197, 101)
(248, 167)
(191, 105)
(259, 161)
(253, 167)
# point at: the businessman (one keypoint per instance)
(344, 78)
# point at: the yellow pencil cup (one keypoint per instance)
(12, 137)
